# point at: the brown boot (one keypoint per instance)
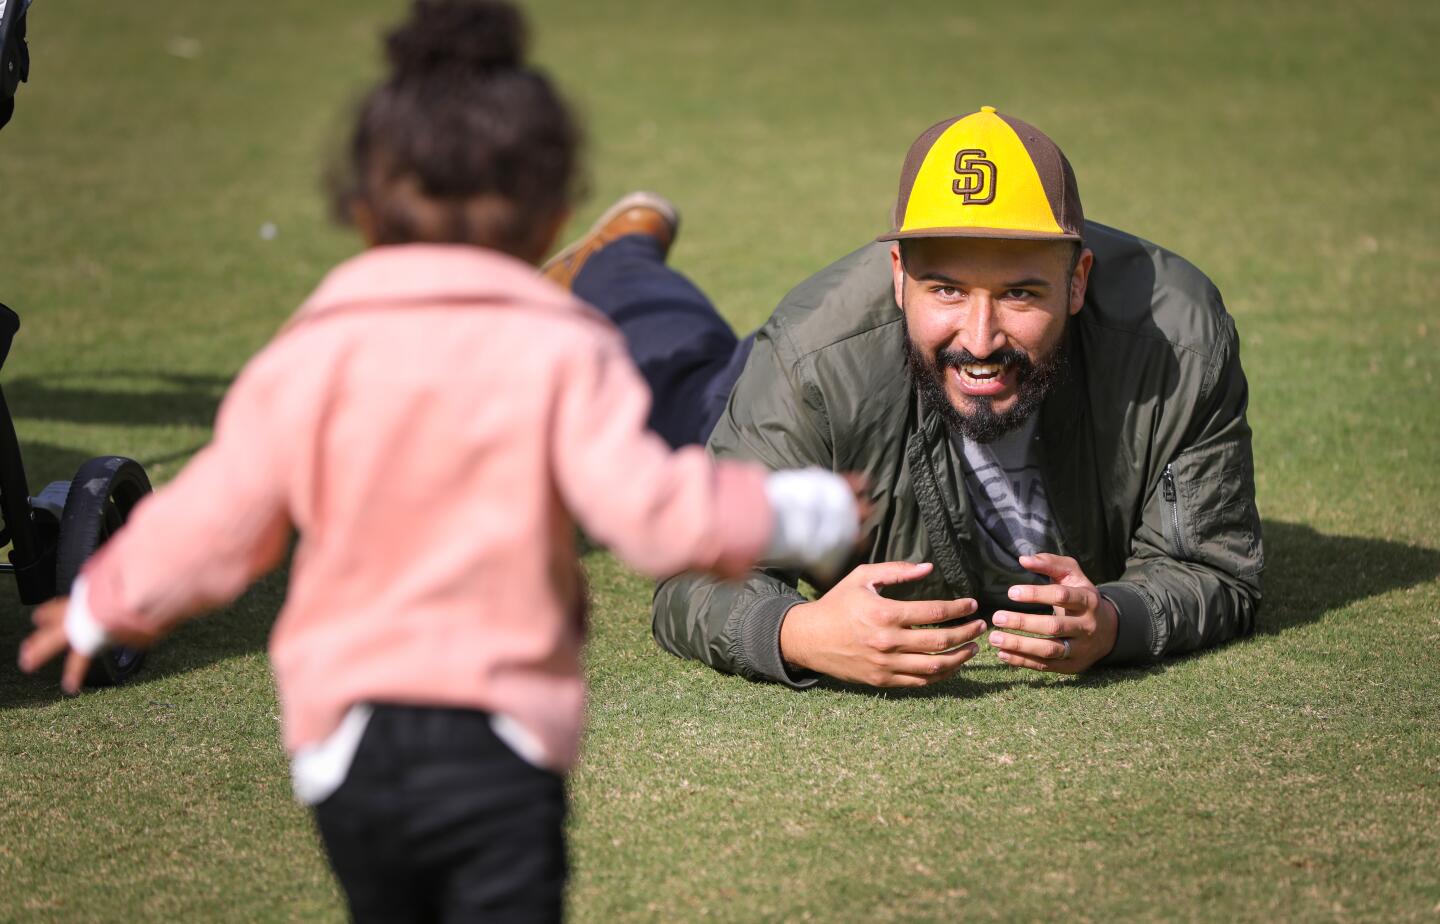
(637, 213)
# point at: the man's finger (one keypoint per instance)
(1055, 567)
(930, 612)
(1034, 664)
(1045, 648)
(937, 641)
(933, 641)
(42, 645)
(859, 485)
(921, 665)
(907, 681)
(885, 573)
(1070, 598)
(72, 678)
(1038, 623)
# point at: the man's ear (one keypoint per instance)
(897, 268)
(1080, 279)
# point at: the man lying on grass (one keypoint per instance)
(1050, 413)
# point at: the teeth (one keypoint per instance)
(982, 370)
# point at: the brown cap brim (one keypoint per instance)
(995, 234)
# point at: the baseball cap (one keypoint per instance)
(986, 174)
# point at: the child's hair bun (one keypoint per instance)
(448, 37)
(462, 142)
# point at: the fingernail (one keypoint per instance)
(1000, 619)
(995, 639)
(1018, 593)
(1003, 656)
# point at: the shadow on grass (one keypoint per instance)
(1307, 575)
(171, 399)
(965, 686)
(46, 462)
(239, 629)
(181, 400)
(141, 398)
(60, 463)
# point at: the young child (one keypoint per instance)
(433, 422)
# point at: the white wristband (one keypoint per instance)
(816, 520)
(84, 632)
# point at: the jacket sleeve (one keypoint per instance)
(199, 541)
(1192, 578)
(779, 422)
(660, 511)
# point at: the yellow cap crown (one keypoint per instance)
(986, 175)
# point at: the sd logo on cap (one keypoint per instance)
(986, 175)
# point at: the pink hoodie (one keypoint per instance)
(433, 421)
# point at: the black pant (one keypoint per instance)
(685, 351)
(439, 820)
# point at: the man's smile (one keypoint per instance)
(983, 379)
(995, 376)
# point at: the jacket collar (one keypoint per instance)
(406, 274)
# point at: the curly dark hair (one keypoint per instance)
(462, 142)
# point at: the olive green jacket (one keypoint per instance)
(1145, 455)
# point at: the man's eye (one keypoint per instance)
(947, 292)
(1018, 294)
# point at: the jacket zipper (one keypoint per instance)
(1172, 497)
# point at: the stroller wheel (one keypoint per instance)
(101, 497)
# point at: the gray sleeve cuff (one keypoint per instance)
(1135, 634)
(758, 641)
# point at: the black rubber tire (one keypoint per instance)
(101, 497)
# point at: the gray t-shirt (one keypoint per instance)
(1012, 512)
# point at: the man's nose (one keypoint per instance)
(981, 334)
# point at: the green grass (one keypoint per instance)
(1288, 150)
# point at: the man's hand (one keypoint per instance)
(1082, 626)
(49, 640)
(854, 634)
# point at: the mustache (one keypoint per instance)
(1009, 356)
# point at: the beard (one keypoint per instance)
(980, 421)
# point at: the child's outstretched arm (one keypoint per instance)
(665, 511)
(195, 544)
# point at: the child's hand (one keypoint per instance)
(819, 519)
(48, 641)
